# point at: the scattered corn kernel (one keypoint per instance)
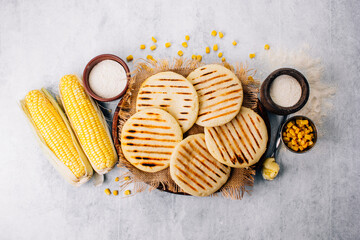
(127, 192)
(213, 33)
(223, 59)
(266, 47)
(184, 44)
(167, 45)
(127, 178)
(199, 58)
(215, 48)
(251, 55)
(193, 56)
(207, 50)
(250, 78)
(153, 47)
(116, 192)
(187, 38)
(180, 53)
(107, 191)
(220, 54)
(149, 57)
(153, 39)
(142, 46)
(129, 58)
(117, 179)
(221, 35)
(234, 43)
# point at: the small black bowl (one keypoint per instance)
(311, 123)
(269, 103)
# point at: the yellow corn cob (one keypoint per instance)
(56, 135)
(88, 124)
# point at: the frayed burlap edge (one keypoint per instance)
(240, 180)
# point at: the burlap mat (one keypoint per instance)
(240, 179)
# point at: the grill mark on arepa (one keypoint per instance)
(215, 140)
(171, 80)
(248, 127)
(223, 94)
(242, 141)
(204, 149)
(208, 73)
(225, 100)
(187, 106)
(193, 172)
(145, 98)
(184, 93)
(214, 84)
(187, 99)
(184, 113)
(206, 93)
(150, 113)
(257, 130)
(191, 162)
(166, 99)
(245, 134)
(150, 158)
(224, 142)
(150, 126)
(182, 119)
(217, 116)
(150, 92)
(209, 79)
(161, 86)
(218, 109)
(145, 105)
(154, 152)
(164, 105)
(151, 119)
(147, 145)
(150, 139)
(242, 154)
(185, 182)
(238, 150)
(190, 177)
(148, 132)
(150, 164)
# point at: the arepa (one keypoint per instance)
(194, 169)
(148, 139)
(239, 143)
(220, 94)
(172, 92)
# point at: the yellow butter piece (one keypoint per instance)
(270, 169)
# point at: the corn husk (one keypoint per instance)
(97, 181)
(64, 171)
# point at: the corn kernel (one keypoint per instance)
(251, 55)
(184, 44)
(215, 48)
(213, 33)
(199, 58)
(193, 56)
(187, 38)
(298, 121)
(142, 46)
(286, 139)
(308, 137)
(116, 192)
(295, 148)
(180, 53)
(153, 39)
(301, 148)
(117, 179)
(223, 59)
(149, 57)
(289, 124)
(129, 58)
(297, 130)
(127, 178)
(292, 132)
(221, 35)
(167, 45)
(300, 135)
(266, 47)
(207, 50)
(127, 192)
(107, 191)
(153, 47)
(305, 122)
(220, 54)
(234, 43)
(250, 78)
(293, 142)
(311, 143)
(310, 128)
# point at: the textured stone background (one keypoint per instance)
(316, 195)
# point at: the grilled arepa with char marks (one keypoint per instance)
(194, 169)
(220, 94)
(172, 92)
(239, 143)
(148, 139)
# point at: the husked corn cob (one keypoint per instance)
(57, 136)
(88, 124)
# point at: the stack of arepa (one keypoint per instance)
(168, 105)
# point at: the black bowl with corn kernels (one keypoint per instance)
(299, 134)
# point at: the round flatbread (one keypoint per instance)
(172, 92)
(148, 139)
(220, 94)
(239, 143)
(194, 169)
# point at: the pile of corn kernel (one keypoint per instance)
(298, 135)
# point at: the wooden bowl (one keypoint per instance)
(90, 66)
(269, 103)
(311, 123)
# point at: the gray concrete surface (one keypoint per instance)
(316, 195)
